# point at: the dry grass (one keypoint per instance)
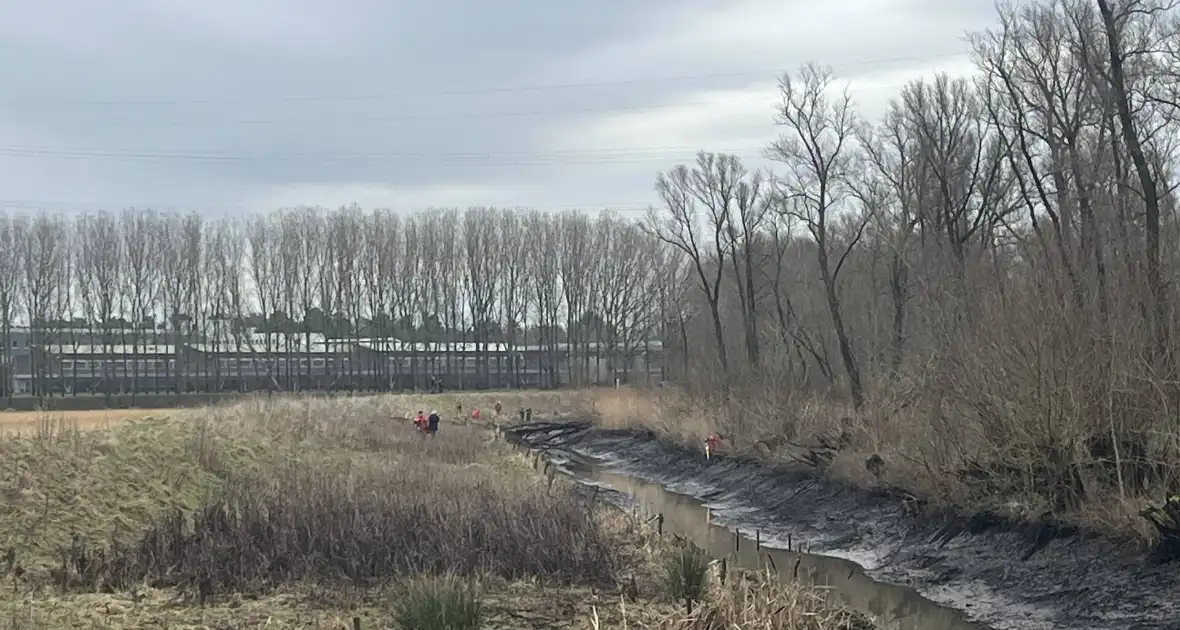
(28, 421)
(305, 513)
(948, 458)
(758, 601)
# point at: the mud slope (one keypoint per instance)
(1007, 577)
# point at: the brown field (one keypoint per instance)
(547, 403)
(294, 513)
(20, 421)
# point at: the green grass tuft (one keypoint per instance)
(438, 604)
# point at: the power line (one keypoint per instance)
(478, 91)
(350, 117)
(602, 156)
(55, 206)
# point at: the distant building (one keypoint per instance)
(91, 364)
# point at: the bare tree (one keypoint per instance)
(139, 232)
(227, 256)
(12, 234)
(44, 257)
(545, 273)
(344, 290)
(894, 157)
(746, 222)
(577, 270)
(818, 151)
(628, 261)
(102, 271)
(265, 274)
(513, 300)
(712, 182)
(481, 242)
(1114, 27)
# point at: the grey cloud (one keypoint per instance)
(405, 54)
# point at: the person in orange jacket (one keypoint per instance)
(420, 421)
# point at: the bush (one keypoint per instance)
(438, 604)
(365, 524)
(686, 576)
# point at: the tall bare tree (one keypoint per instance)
(818, 151)
(481, 243)
(712, 182)
(102, 271)
(44, 258)
(12, 234)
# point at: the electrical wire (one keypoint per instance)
(58, 206)
(769, 73)
(603, 156)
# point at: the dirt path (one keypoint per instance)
(90, 419)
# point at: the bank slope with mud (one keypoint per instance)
(1018, 577)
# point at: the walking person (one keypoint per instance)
(432, 423)
(420, 422)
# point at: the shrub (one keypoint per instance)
(445, 603)
(686, 576)
(366, 525)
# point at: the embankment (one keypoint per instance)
(1004, 575)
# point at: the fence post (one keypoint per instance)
(737, 540)
(660, 524)
(356, 623)
(757, 540)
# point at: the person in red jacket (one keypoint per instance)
(420, 421)
(711, 444)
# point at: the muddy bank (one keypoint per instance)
(1019, 578)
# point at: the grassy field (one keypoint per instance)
(400, 404)
(306, 513)
(29, 421)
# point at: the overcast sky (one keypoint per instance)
(227, 106)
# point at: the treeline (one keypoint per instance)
(480, 276)
(987, 271)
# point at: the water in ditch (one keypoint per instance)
(893, 607)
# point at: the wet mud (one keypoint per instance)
(996, 574)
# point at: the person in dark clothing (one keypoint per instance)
(432, 423)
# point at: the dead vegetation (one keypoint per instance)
(970, 296)
(939, 461)
(307, 513)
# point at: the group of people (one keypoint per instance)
(427, 425)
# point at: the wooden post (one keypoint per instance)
(356, 623)
(660, 524)
(757, 540)
(737, 540)
(789, 548)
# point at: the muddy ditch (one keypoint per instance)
(995, 574)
